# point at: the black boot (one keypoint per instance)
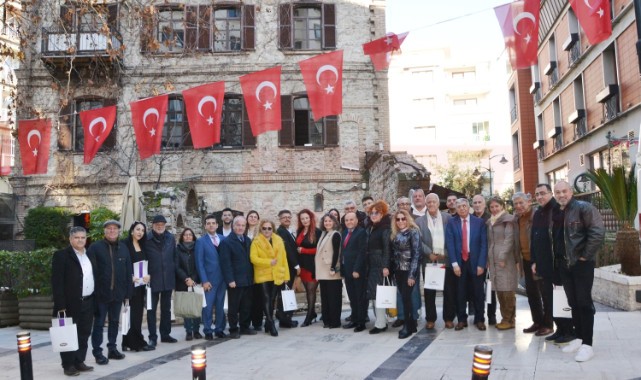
(405, 332)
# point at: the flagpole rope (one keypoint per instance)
(455, 18)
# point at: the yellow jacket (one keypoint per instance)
(261, 255)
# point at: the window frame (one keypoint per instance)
(185, 142)
(286, 27)
(287, 134)
(70, 120)
(247, 138)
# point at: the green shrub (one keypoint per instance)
(30, 271)
(98, 217)
(48, 226)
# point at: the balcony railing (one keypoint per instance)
(553, 78)
(514, 113)
(574, 53)
(57, 43)
(611, 107)
(517, 162)
(580, 128)
(537, 95)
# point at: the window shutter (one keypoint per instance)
(147, 33)
(110, 141)
(66, 17)
(112, 18)
(65, 125)
(286, 134)
(248, 137)
(248, 38)
(331, 130)
(191, 27)
(285, 26)
(329, 26)
(204, 32)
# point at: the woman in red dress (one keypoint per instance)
(307, 236)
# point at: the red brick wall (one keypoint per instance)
(619, 5)
(567, 107)
(544, 59)
(592, 85)
(527, 131)
(561, 34)
(630, 85)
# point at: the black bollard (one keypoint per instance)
(199, 362)
(24, 354)
(482, 362)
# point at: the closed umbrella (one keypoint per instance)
(132, 207)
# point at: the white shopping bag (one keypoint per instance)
(149, 297)
(199, 289)
(385, 295)
(226, 302)
(64, 334)
(434, 276)
(289, 299)
(125, 319)
(560, 306)
(488, 291)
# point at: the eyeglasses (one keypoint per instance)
(404, 204)
(286, 217)
(400, 219)
(266, 228)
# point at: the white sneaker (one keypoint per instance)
(572, 346)
(585, 353)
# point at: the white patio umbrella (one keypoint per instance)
(132, 207)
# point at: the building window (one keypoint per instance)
(481, 131)
(227, 29)
(307, 26)
(464, 75)
(299, 127)
(465, 102)
(170, 32)
(426, 133)
(175, 133)
(235, 130)
(71, 136)
(424, 104)
(557, 175)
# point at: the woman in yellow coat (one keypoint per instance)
(270, 269)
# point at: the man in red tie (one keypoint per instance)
(466, 244)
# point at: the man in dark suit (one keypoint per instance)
(285, 218)
(211, 275)
(466, 244)
(238, 273)
(73, 272)
(353, 255)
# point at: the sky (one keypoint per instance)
(467, 23)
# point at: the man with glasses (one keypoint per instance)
(350, 206)
(285, 219)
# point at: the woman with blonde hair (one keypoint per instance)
(269, 258)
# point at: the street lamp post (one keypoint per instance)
(489, 169)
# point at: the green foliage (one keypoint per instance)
(27, 272)
(47, 226)
(619, 191)
(462, 180)
(98, 217)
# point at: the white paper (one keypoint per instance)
(125, 319)
(488, 291)
(149, 298)
(434, 276)
(199, 289)
(140, 271)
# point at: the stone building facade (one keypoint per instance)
(83, 57)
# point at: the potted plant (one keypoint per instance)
(8, 299)
(31, 282)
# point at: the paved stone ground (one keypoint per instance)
(317, 353)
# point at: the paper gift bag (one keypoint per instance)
(64, 334)
(488, 291)
(289, 299)
(188, 304)
(560, 306)
(434, 276)
(125, 319)
(226, 301)
(199, 289)
(385, 295)
(149, 297)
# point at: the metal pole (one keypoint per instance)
(482, 362)
(491, 178)
(24, 354)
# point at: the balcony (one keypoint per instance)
(58, 47)
(514, 113)
(580, 128)
(609, 97)
(516, 160)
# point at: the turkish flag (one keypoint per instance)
(148, 118)
(104, 119)
(594, 17)
(261, 91)
(34, 137)
(380, 50)
(323, 77)
(204, 106)
(519, 23)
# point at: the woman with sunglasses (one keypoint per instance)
(307, 239)
(327, 272)
(269, 258)
(406, 251)
(378, 257)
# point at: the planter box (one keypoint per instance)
(8, 309)
(614, 289)
(35, 312)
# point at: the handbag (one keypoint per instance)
(188, 304)
(149, 307)
(125, 319)
(488, 291)
(560, 306)
(385, 295)
(434, 276)
(289, 299)
(64, 334)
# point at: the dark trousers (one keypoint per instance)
(406, 295)
(449, 298)
(257, 307)
(491, 307)
(239, 300)
(267, 297)
(102, 311)
(331, 302)
(134, 338)
(215, 298)
(84, 323)
(356, 290)
(577, 283)
(534, 297)
(165, 314)
(470, 283)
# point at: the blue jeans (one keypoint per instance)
(192, 325)
(416, 303)
(102, 310)
(215, 298)
(165, 314)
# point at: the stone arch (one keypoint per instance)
(192, 202)
(179, 221)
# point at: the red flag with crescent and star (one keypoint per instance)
(204, 106)
(97, 125)
(34, 137)
(261, 92)
(594, 18)
(323, 77)
(380, 50)
(148, 118)
(519, 23)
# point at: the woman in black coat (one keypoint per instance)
(134, 340)
(187, 276)
(378, 258)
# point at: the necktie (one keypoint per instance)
(465, 253)
(347, 238)
(242, 238)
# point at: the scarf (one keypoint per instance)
(496, 217)
(438, 235)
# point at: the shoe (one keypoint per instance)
(273, 331)
(125, 348)
(116, 355)
(101, 360)
(348, 319)
(504, 326)
(491, 321)
(398, 323)
(287, 324)
(234, 334)
(429, 325)
(197, 335)
(220, 334)
(311, 318)
(359, 328)
(210, 336)
(294, 323)
(460, 326)
(148, 348)
(249, 331)
(189, 337)
(168, 339)
(350, 325)
(532, 329)
(404, 333)
(584, 354)
(413, 327)
(554, 336)
(481, 326)
(564, 339)
(82, 367)
(573, 346)
(71, 371)
(543, 331)
(258, 328)
(153, 343)
(376, 330)
(449, 324)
